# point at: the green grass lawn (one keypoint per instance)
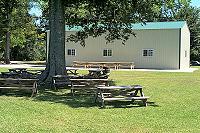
(174, 106)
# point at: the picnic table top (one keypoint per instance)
(61, 76)
(119, 87)
(16, 69)
(18, 79)
(95, 70)
(89, 79)
(103, 62)
(115, 87)
(72, 68)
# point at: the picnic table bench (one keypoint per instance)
(61, 81)
(87, 85)
(7, 84)
(106, 93)
(21, 73)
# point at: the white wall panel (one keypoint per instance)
(164, 42)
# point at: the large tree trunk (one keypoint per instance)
(56, 52)
(7, 48)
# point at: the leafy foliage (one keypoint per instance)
(113, 17)
(25, 43)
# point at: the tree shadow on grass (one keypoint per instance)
(86, 101)
(76, 101)
(16, 93)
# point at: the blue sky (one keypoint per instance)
(196, 3)
(35, 11)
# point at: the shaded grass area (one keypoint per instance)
(173, 107)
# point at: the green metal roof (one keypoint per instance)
(159, 25)
(141, 26)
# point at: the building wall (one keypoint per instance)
(185, 48)
(165, 44)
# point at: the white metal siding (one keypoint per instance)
(164, 42)
(185, 47)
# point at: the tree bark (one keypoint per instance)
(56, 52)
(7, 47)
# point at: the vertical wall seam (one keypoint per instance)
(180, 48)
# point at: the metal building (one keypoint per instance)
(157, 45)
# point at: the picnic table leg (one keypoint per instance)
(135, 93)
(72, 91)
(96, 96)
(141, 93)
(34, 90)
(144, 102)
(100, 95)
(102, 103)
(102, 99)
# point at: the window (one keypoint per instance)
(107, 52)
(185, 53)
(148, 52)
(71, 52)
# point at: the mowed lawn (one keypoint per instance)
(174, 106)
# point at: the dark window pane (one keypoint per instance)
(69, 52)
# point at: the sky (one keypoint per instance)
(195, 3)
(35, 10)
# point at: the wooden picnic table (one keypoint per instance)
(95, 73)
(18, 84)
(61, 81)
(98, 73)
(20, 73)
(87, 84)
(105, 93)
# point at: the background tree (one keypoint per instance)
(7, 7)
(23, 40)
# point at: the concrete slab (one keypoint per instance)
(159, 70)
(22, 66)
